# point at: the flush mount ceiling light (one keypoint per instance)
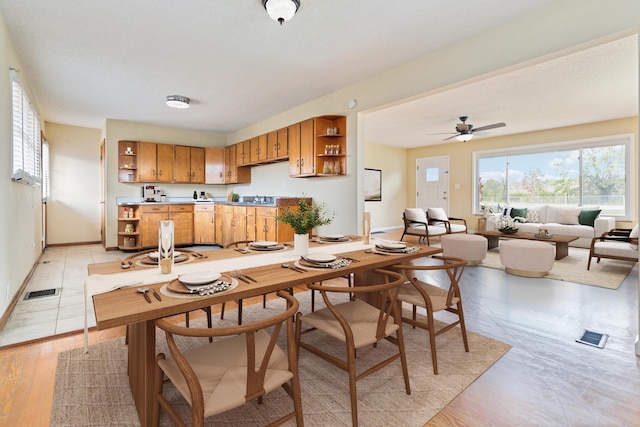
(177, 101)
(464, 137)
(281, 10)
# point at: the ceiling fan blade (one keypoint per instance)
(452, 136)
(443, 133)
(493, 126)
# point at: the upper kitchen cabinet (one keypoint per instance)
(301, 149)
(214, 165)
(155, 162)
(189, 164)
(127, 161)
(330, 145)
(259, 149)
(277, 145)
(243, 153)
(233, 173)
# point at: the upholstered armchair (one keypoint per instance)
(416, 223)
(437, 216)
(621, 244)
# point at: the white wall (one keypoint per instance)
(21, 206)
(73, 208)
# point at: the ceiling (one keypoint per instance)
(88, 61)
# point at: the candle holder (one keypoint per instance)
(165, 246)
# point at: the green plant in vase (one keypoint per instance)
(305, 218)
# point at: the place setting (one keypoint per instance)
(322, 261)
(198, 284)
(332, 238)
(151, 259)
(263, 246)
(384, 247)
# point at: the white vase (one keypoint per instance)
(301, 244)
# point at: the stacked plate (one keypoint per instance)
(391, 247)
(317, 260)
(204, 282)
(265, 245)
(333, 238)
(155, 255)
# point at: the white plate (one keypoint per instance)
(263, 244)
(332, 236)
(154, 255)
(319, 257)
(199, 278)
(391, 245)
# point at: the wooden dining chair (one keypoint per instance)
(243, 364)
(358, 324)
(420, 293)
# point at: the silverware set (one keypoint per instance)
(294, 268)
(198, 255)
(126, 264)
(144, 293)
(240, 275)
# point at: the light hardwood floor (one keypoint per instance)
(546, 379)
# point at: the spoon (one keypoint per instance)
(293, 268)
(144, 291)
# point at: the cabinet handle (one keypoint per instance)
(301, 162)
(160, 172)
(298, 163)
(221, 174)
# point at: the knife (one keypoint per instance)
(156, 294)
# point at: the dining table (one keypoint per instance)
(115, 290)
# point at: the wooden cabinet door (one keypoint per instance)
(272, 145)
(204, 224)
(150, 217)
(230, 166)
(219, 221)
(293, 132)
(256, 146)
(266, 225)
(239, 223)
(182, 217)
(182, 164)
(214, 165)
(243, 153)
(283, 143)
(165, 163)
(197, 165)
(227, 225)
(307, 150)
(251, 223)
(147, 161)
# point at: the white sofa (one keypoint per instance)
(568, 221)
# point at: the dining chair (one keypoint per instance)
(420, 293)
(348, 277)
(243, 364)
(358, 324)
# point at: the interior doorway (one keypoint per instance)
(432, 182)
(102, 194)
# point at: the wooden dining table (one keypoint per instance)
(127, 306)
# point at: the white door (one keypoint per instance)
(432, 183)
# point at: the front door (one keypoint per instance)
(432, 183)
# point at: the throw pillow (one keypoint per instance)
(588, 217)
(553, 214)
(519, 213)
(569, 216)
(634, 232)
(437, 214)
(415, 214)
(533, 215)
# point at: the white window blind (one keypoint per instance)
(46, 189)
(25, 136)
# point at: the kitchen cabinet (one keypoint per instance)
(128, 228)
(204, 226)
(233, 173)
(189, 164)
(127, 161)
(214, 165)
(150, 217)
(282, 146)
(266, 224)
(301, 149)
(258, 149)
(182, 217)
(243, 153)
(155, 162)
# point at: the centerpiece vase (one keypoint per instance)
(165, 246)
(301, 244)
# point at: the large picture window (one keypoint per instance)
(25, 136)
(578, 173)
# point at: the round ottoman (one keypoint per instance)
(526, 257)
(466, 246)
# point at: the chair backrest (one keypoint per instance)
(255, 374)
(453, 266)
(386, 294)
(415, 214)
(437, 214)
(239, 244)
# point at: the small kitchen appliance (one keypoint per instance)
(151, 193)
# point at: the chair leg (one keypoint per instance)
(239, 312)
(264, 301)
(313, 300)
(463, 328)
(222, 311)
(351, 362)
(401, 349)
(186, 315)
(432, 341)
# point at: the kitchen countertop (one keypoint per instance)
(132, 201)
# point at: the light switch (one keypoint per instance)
(456, 186)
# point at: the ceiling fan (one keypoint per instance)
(464, 132)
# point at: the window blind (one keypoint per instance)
(25, 136)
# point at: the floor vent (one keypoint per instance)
(42, 293)
(595, 339)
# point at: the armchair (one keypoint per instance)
(621, 244)
(416, 223)
(437, 216)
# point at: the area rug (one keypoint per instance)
(609, 273)
(92, 389)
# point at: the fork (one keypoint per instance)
(241, 273)
(235, 275)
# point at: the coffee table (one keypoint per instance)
(562, 242)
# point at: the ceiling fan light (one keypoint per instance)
(178, 101)
(281, 10)
(464, 137)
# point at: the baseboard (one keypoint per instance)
(57, 245)
(384, 229)
(16, 297)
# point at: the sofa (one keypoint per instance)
(584, 223)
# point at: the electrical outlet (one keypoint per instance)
(456, 186)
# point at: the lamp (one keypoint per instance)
(281, 10)
(177, 101)
(464, 137)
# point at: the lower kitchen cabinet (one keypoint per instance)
(204, 227)
(182, 217)
(128, 228)
(150, 217)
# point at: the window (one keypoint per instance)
(25, 136)
(578, 173)
(46, 189)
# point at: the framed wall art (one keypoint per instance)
(372, 185)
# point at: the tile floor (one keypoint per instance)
(65, 268)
